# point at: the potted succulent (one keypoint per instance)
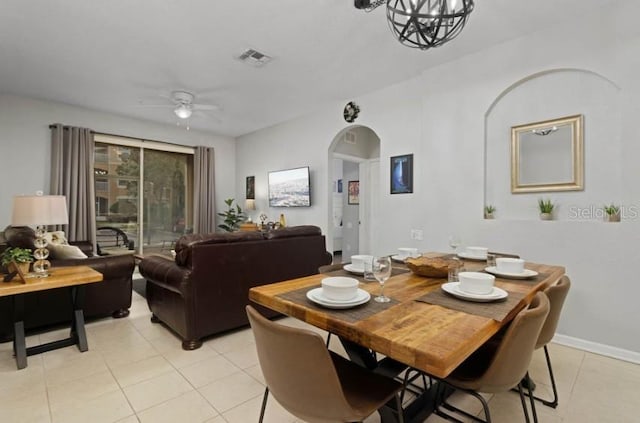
(22, 257)
(488, 211)
(612, 213)
(546, 209)
(233, 217)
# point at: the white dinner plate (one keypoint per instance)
(527, 273)
(468, 256)
(453, 289)
(353, 269)
(316, 296)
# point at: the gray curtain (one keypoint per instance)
(204, 193)
(72, 176)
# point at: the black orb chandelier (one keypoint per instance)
(423, 24)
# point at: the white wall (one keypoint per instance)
(440, 118)
(25, 141)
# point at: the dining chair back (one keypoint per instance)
(311, 382)
(556, 293)
(498, 367)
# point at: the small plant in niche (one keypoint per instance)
(489, 210)
(612, 213)
(233, 217)
(546, 209)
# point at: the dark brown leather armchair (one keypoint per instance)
(112, 296)
(205, 290)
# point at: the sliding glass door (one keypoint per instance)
(144, 193)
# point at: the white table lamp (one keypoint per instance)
(40, 211)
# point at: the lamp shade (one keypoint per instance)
(39, 210)
(249, 204)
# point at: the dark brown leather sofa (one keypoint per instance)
(205, 290)
(112, 296)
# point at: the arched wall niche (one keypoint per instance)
(546, 95)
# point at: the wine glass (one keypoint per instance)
(454, 242)
(382, 272)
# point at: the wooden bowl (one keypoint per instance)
(431, 267)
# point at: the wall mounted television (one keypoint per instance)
(290, 188)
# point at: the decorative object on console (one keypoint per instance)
(249, 205)
(233, 217)
(17, 257)
(546, 209)
(423, 24)
(489, 210)
(612, 213)
(402, 174)
(40, 210)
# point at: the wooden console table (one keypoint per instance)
(75, 277)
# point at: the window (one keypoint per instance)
(144, 191)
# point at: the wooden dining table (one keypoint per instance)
(429, 337)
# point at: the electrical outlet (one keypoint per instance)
(416, 234)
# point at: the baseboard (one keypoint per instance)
(594, 347)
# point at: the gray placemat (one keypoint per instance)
(351, 315)
(496, 310)
(395, 271)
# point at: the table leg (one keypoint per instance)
(19, 342)
(78, 333)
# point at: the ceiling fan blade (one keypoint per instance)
(207, 116)
(155, 105)
(206, 107)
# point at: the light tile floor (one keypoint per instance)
(136, 371)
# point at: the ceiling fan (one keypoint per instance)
(183, 104)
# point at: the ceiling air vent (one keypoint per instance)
(254, 58)
(350, 137)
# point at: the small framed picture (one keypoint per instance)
(354, 192)
(402, 174)
(20, 274)
(339, 185)
(251, 188)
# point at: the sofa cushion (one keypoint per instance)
(19, 236)
(56, 237)
(63, 252)
(291, 231)
(186, 242)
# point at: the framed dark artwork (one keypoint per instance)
(402, 174)
(353, 192)
(251, 188)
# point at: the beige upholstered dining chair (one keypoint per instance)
(556, 294)
(313, 383)
(499, 366)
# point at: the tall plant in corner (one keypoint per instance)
(233, 216)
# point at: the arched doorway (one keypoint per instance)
(354, 168)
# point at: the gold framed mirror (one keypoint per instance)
(548, 156)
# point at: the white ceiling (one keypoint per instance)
(114, 55)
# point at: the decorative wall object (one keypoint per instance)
(351, 111)
(251, 188)
(339, 185)
(354, 192)
(548, 156)
(402, 174)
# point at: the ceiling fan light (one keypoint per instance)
(183, 111)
